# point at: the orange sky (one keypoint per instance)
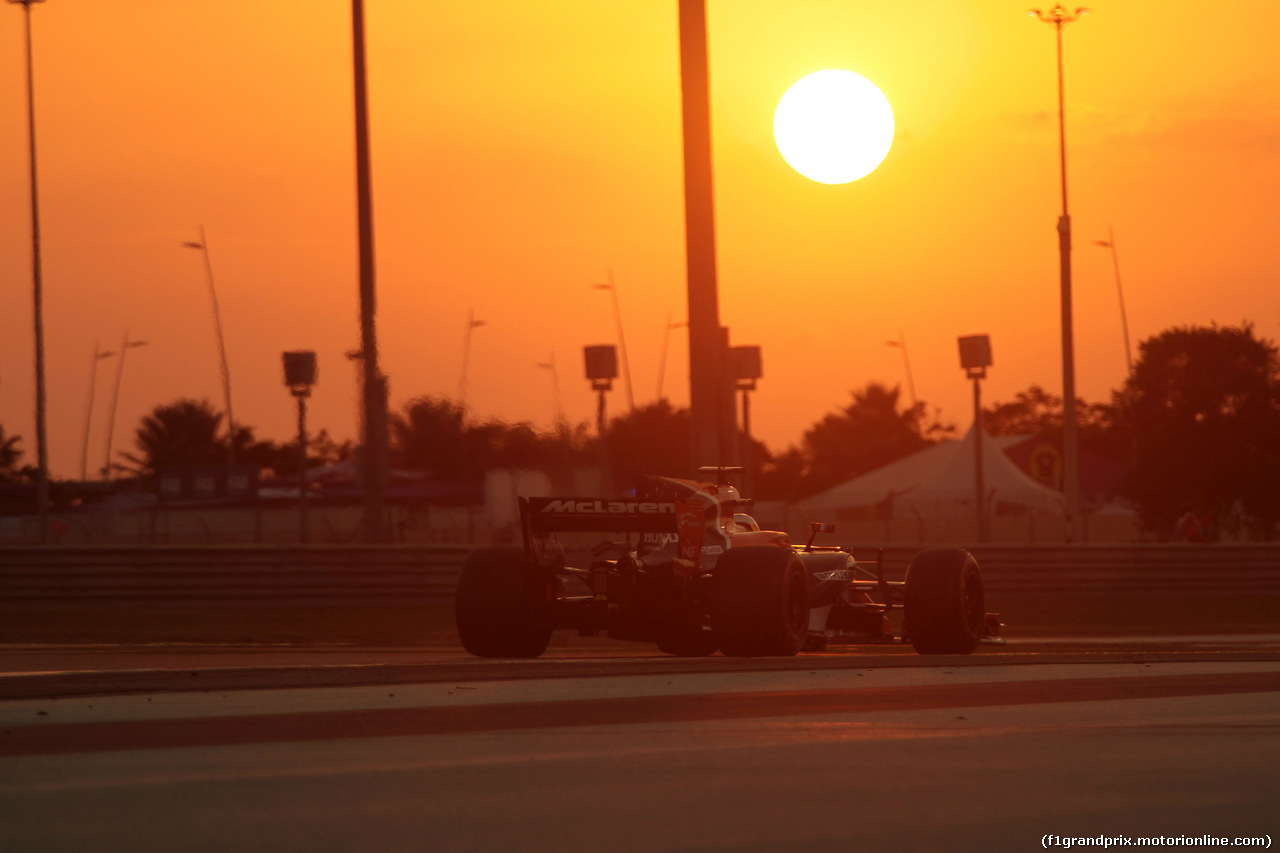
(522, 150)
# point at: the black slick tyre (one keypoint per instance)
(496, 605)
(759, 602)
(945, 603)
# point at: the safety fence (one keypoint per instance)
(1149, 569)
(426, 574)
(232, 575)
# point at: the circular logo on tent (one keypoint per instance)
(1045, 463)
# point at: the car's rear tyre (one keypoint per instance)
(759, 602)
(496, 605)
(945, 603)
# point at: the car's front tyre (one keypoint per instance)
(759, 602)
(945, 602)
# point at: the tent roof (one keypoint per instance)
(952, 483)
(894, 478)
(939, 480)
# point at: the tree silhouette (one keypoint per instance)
(1037, 412)
(432, 434)
(651, 440)
(1202, 411)
(282, 459)
(185, 432)
(781, 476)
(864, 435)
(10, 453)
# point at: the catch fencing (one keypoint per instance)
(426, 574)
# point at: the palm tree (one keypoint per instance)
(185, 432)
(9, 456)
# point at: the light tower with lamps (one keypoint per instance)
(748, 368)
(37, 287)
(203, 246)
(975, 358)
(602, 368)
(125, 346)
(300, 375)
(622, 340)
(550, 365)
(472, 324)
(1110, 243)
(98, 355)
(901, 343)
(1059, 16)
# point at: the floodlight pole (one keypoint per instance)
(622, 338)
(37, 289)
(125, 346)
(303, 526)
(711, 404)
(550, 364)
(223, 367)
(98, 356)
(1110, 243)
(374, 391)
(975, 358)
(1060, 17)
(979, 476)
(472, 324)
(901, 343)
(300, 375)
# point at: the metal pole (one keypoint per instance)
(37, 288)
(606, 474)
(901, 344)
(223, 367)
(115, 399)
(979, 481)
(706, 349)
(748, 473)
(302, 469)
(622, 340)
(1110, 243)
(550, 364)
(375, 397)
(88, 415)
(1059, 17)
(472, 323)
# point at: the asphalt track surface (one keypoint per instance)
(617, 748)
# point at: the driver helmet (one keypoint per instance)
(727, 494)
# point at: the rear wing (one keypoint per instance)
(688, 517)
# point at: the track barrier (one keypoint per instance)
(426, 574)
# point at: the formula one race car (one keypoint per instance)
(684, 566)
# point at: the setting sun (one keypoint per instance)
(833, 126)
(521, 150)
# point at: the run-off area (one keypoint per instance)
(924, 758)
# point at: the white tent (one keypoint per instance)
(937, 482)
(951, 490)
(875, 487)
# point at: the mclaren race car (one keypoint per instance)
(684, 565)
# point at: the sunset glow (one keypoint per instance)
(519, 150)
